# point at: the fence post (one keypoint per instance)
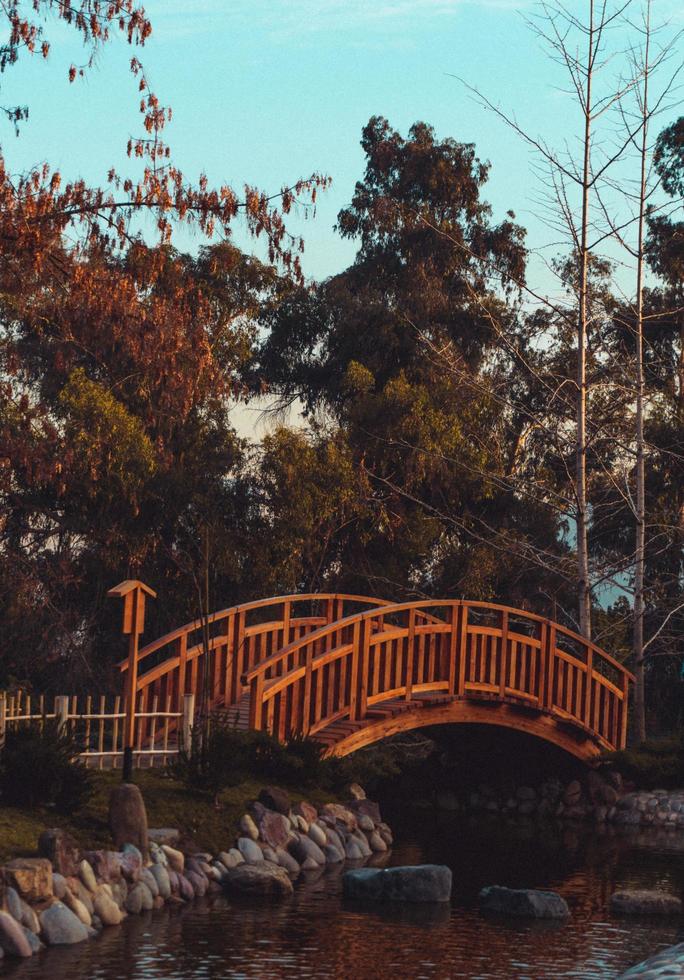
(62, 713)
(3, 718)
(187, 722)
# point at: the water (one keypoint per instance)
(319, 935)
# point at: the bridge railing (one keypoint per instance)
(240, 637)
(453, 648)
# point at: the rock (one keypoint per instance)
(228, 860)
(285, 860)
(269, 854)
(300, 824)
(308, 864)
(87, 876)
(335, 839)
(148, 899)
(275, 799)
(60, 927)
(525, 794)
(61, 849)
(29, 919)
(150, 880)
(164, 835)
(236, 856)
(365, 808)
(13, 903)
(78, 908)
(59, 885)
(135, 898)
(305, 810)
(362, 841)
(644, 902)
(106, 864)
(33, 940)
(175, 858)
(248, 828)
(107, 909)
(333, 855)
(187, 892)
(356, 792)
(529, 902)
(342, 814)
(30, 877)
(13, 940)
(162, 880)
(173, 881)
(377, 844)
(667, 963)
(318, 835)
(274, 829)
(352, 851)
(198, 882)
(128, 818)
(78, 889)
(250, 850)
(601, 793)
(422, 883)
(573, 793)
(259, 879)
(303, 848)
(158, 856)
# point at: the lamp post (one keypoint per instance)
(134, 595)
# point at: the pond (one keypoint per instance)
(317, 934)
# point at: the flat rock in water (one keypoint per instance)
(667, 963)
(258, 879)
(644, 902)
(421, 883)
(60, 927)
(528, 902)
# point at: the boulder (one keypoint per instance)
(61, 849)
(377, 844)
(352, 851)
(13, 903)
(573, 793)
(150, 880)
(528, 902)
(356, 792)
(134, 899)
(269, 854)
(645, 902)
(106, 909)
(275, 798)
(29, 919)
(175, 858)
(303, 847)
(259, 879)
(60, 927)
(422, 883)
(13, 940)
(285, 860)
(332, 854)
(601, 793)
(236, 856)
(250, 850)
(365, 808)
(274, 829)
(32, 939)
(199, 882)
(164, 835)
(366, 823)
(87, 876)
(247, 826)
(59, 885)
(128, 818)
(343, 814)
(78, 889)
(305, 810)
(162, 879)
(30, 877)
(185, 889)
(78, 908)
(318, 835)
(105, 864)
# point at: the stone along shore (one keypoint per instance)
(68, 895)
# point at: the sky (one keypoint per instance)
(267, 91)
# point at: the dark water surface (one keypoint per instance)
(317, 934)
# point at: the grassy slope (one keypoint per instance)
(169, 804)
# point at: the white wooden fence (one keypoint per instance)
(96, 724)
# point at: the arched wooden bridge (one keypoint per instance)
(350, 670)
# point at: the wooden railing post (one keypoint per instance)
(3, 719)
(354, 673)
(503, 656)
(364, 665)
(62, 713)
(624, 704)
(587, 712)
(548, 645)
(454, 649)
(134, 594)
(462, 651)
(308, 678)
(182, 665)
(187, 722)
(410, 653)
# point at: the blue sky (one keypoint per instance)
(269, 90)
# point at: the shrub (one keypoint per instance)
(654, 763)
(39, 767)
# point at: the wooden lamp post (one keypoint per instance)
(134, 595)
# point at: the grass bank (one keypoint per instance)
(169, 804)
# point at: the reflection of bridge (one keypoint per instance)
(349, 670)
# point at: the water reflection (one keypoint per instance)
(317, 934)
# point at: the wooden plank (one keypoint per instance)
(503, 653)
(410, 653)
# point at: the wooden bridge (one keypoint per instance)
(350, 670)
